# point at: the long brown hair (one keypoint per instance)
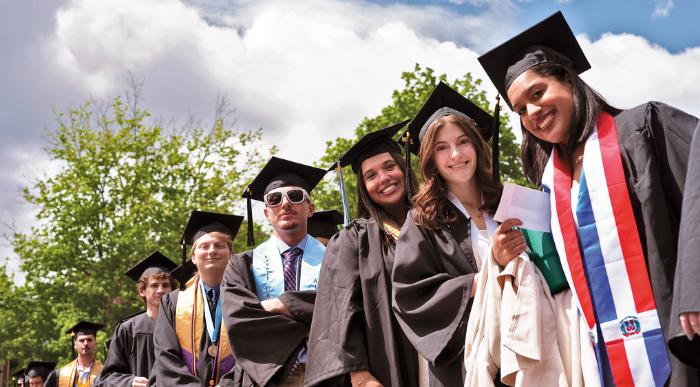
(368, 209)
(534, 152)
(430, 203)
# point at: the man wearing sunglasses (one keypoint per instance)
(269, 292)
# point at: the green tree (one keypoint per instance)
(418, 85)
(125, 188)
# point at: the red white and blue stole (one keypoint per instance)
(605, 267)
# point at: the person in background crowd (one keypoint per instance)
(355, 338)
(37, 372)
(324, 224)
(82, 371)
(132, 355)
(269, 292)
(18, 378)
(191, 346)
(634, 265)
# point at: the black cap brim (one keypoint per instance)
(190, 269)
(154, 263)
(370, 145)
(553, 32)
(84, 328)
(446, 100)
(202, 222)
(324, 224)
(283, 173)
(39, 368)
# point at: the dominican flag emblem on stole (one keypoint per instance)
(608, 273)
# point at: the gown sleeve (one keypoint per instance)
(116, 371)
(300, 304)
(686, 297)
(52, 379)
(337, 340)
(430, 297)
(265, 344)
(170, 369)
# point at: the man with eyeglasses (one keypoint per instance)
(269, 292)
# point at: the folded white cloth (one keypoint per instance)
(518, 327)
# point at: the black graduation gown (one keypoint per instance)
(660, 149)
(52, 379)
(131, 352)
(432, 280)
(265, 344)
(354, 327)
(170, 370)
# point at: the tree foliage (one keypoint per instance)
(418, 85)
(125, 187)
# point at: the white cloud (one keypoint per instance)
(628, 71)
(662, 9)
(307, 72)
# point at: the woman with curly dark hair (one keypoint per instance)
(355, 339)
(449, 231)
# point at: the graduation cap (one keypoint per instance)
(549, 41)
(279, 173)
(18, 375)
(39, 368)
(190, 269)
(202, 223)
(443, 101)
(324, 224)
(153, 264)
(84, 328)
(370, 145)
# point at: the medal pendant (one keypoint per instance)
(212, 350)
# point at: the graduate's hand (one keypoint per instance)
(691, 324)
(507, 243)
(474, 285)
(274, 305)
(139, 381)
(364, 379)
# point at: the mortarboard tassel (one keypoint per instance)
(251, 233)
(495, 154)
(72, 348)
(184, 259)
(344, 196)
(407, 147)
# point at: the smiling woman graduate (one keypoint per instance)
(355, 338)
(625, 193)
(448, 231)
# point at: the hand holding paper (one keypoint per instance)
(530, 206)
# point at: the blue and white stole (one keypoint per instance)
(268, 269)
(608, 275)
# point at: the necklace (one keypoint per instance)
(578, 159)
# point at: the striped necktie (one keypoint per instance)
(290, 280)
(290, 268)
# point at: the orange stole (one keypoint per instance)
(189, 324)
(66, 377)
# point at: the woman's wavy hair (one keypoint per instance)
(430, 205)
(368, 209)
(534, 152)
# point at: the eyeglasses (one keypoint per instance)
(274, 199)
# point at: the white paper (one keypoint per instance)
(530, 206)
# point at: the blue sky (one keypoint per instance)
(675, 32)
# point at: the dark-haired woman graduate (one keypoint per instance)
(449, 229)
(624, 188)
(355, 339)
